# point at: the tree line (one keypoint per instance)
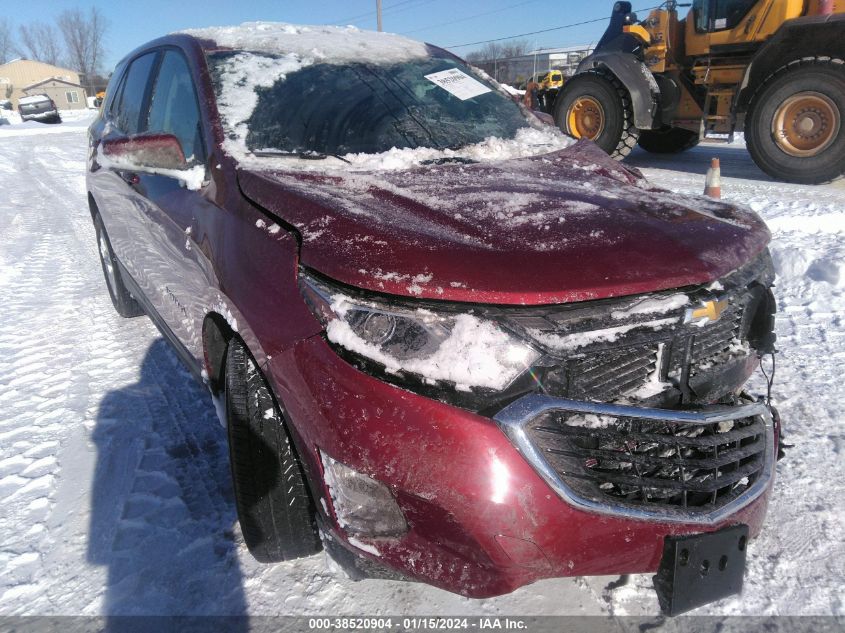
(496, 58)
(74, 40)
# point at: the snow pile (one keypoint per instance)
(476, 353)
(9, 117)
(528, 141)
(317, 44)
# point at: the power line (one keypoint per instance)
(556, 28)
(388, 9)
(471, 17)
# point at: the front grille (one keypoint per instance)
(654, 464)
(717, 338)
(608, 374)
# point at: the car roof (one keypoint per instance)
(321, 44)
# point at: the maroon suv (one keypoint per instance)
(449, 344)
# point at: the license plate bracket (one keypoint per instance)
(700, 568)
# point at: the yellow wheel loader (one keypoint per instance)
(773, 69)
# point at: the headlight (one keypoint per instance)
(457, 348)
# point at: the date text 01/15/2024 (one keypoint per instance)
(417, 624)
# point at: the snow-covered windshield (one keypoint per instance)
(431, 102)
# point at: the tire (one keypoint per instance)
(668, 140)
(616, 135)
(782, 150)
(276, 513)
(122, 300)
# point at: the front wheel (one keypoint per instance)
(596, 106)
(275, 510)
(122, 300)
(794, 130)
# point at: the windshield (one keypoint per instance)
(434, 102)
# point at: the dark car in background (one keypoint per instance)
(38, 108)
(456, 345)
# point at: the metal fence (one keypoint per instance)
(519, 70)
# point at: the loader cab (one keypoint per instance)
(719, 15)
(732, 26)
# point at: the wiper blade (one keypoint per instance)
(304, 155)
(448, 159)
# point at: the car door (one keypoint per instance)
(177, 264)
(120, 204)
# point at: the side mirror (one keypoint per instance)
(162, 151)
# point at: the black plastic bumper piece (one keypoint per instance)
(700, 568)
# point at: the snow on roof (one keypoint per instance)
(327, 44)
(33, 99)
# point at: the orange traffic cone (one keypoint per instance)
(713, 182)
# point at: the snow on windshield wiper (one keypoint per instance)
(448, 159)
(304, 155)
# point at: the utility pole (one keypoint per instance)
(378, 12)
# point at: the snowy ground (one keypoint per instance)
(113, 470)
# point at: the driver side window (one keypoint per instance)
(174, 108)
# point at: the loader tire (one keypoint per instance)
(667, 140)
(595, 105)
(275, 510)
(794, 129)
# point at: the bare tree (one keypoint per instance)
(7, 44)
(40, 41)
(516, 48)
(83, 36)
(497, 59)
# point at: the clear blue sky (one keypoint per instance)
(441, 22)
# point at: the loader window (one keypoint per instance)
(720, 15)
(729, 13)
(701, 11)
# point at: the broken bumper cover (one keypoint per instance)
(483, 517)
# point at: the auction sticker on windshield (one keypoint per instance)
(459, 84)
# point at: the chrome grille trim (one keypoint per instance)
(514, 419)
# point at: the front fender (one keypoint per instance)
(637, 79)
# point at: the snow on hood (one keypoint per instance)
(567, 226)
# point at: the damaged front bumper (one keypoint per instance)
(649, 464)
(489, 511)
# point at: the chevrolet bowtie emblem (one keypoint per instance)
(707, 312)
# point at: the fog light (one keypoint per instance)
(361, 504)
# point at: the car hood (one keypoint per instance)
(567, 226)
